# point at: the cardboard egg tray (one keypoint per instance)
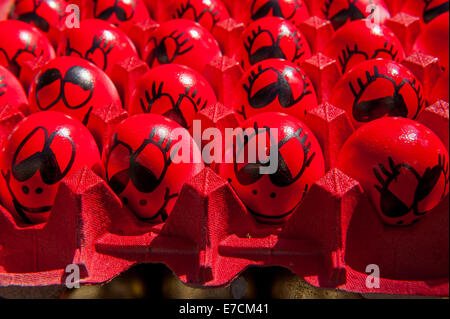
(210, 238)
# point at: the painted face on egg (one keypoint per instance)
(272, 38)
(274, 86)
(11, 91)
(172, 90)
(46, 15)
(207, 13)
(294, 11)
(139, 166)
(20, 42)
(272, 198)
(72, 86)
(357, 42)
(181, 42)
(376, 89)
(42, 150)
(98, 42)
(340, 12)
(401, 164)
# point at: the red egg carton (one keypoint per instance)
(331, 240)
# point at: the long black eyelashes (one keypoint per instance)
(12, 63)
(376, 75)
(349, 52)
(275, 50)
(181, 11)
(98, 43)
(390, 204)
(157, 93)
(115, 9)
(276, 10)
(161, 50)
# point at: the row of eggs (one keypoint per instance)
(149, 183)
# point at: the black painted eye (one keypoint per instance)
(283, 176)
(249, 174)
(46, 99)
(348, 54)
(44, 160)
(83, 79)
(118, 165)
(270, 51)
(143, 178)
(393, 105)
(171, 47)
(99, 51)
(185, 8)
(50, 171)
(392, 206)
(280, 88)
(24, 170)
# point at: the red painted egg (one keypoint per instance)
(142, 164)
(182, 42)
(272, 38)
(21, 42)
(401, 165)
(73, 86)
(98, 42)
(172, 90)
(272, 184)
(357, 42)
(43, 149)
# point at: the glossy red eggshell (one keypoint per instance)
(182, 42)
(357, 42)
(272, 198)
(138, 166)
(401, 165)
(274, 86)
(378, 88)
(175, 91)
(272, 38)
(73, 86)
(98, 42)
(43, 149)
(20, 42)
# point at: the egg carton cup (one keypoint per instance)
(331, 240)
